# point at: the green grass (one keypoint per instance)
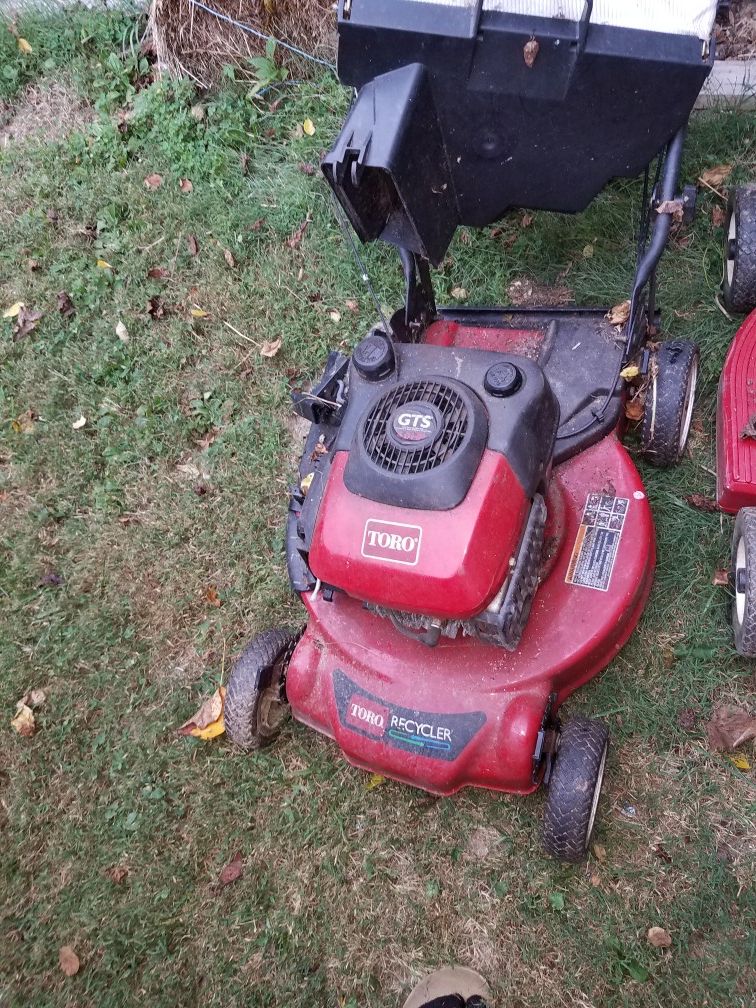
(348, 894)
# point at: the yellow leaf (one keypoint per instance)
(198, 313)
(632, 371)
(23, 45)
(207, 723)
(14, 309)
(309, 127)
(103, 264)
(306, 482)
(23, 722)
(375, 781)
(740, 761)
(78, 424)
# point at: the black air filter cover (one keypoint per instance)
(419, 445)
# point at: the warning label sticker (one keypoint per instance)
(597, 541)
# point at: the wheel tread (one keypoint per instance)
(250, 675)
(660, 436)
(570, 798)
(740, 296)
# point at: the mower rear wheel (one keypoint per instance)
(739, 280)
(744, 582)
(256, 706)
(574, 789)
(668, 410)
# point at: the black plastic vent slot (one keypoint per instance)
(409, 461)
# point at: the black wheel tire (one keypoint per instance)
(670, 396)
(739, 280)
(255, 706)
(743, 568)
(574, 789)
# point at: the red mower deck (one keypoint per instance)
(736, 414)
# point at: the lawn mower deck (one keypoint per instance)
(461, 712)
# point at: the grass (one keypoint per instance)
(177, 482)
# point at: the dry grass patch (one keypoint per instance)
(44, 113)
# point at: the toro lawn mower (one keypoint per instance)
(469, 537)
(736, 414)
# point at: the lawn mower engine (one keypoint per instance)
(430, 507)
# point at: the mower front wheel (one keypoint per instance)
(744, 582)
(574, 789)
(739, 282)
(256, 706)
(668, 410)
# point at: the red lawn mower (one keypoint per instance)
(469, 537)
(736, 414)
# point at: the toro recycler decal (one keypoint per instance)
(440, 736)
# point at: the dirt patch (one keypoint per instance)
(736, 31)
(43, 113)
(528, 293)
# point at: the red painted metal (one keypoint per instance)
(464, 712)
(736, 408)
(448, 564)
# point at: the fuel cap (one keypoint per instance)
(373, 357)
(502, 379)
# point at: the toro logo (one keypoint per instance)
(392, 542)
(367, 715)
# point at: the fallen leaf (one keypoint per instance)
(23, 45)
(308, 127)
(232, 872)
(14, 309)
(630, 372)
(229, 257)
(103, 264)
(23, 720)
(720, 578)
(34, 698)
(159, 273)
(658, 937)
(26, 322)
(672, 207)
(32, 265)
(661, 852)
(306, 482)
(687, 718)
(155, 307)
(270, 348)
(198, 313)
(588, 252)
(78, 424)
(634, 409)
(192, 245)
(25, 423)
(718, 216)
(375, 780)
(729, 728)
(212, 596)
(749, 431)
(715, 176)
(65, 305)
(122, 332)
(530, 51)
(352, 305)
(459, 293)
(701, 503)
(619, 314)
(335, 315)
(153, 181)
(527, 220)
(306, 168)
(599, 852)
(207, 723)
(68, 961)
(185, 185)
(207, 439)
(295, 239)
(739, 761)
(117, 873)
